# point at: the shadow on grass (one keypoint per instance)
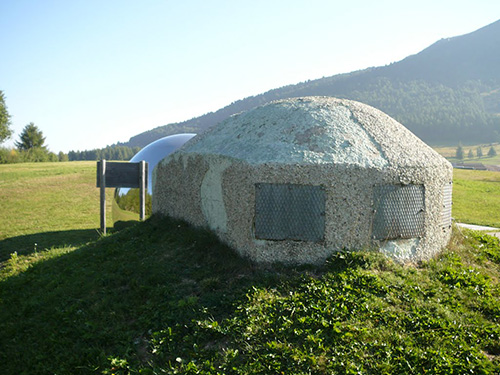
(30, 243)
(27, 244)
(72, 312)
(153, 295)
(107, 299)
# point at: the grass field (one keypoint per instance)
(476, 197)
(44, 205)
(163, 298)
(449, 152)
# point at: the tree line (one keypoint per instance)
(460, 152)
(108, 153)
(31, 145)
(29, 148)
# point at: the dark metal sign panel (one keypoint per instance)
(446, 212)
(399, 211)
(122, 174)
(289, 212)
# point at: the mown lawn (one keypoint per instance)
(449, 152)
(163, 298)
(476, 197)
(48, 204)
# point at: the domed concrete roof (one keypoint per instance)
(315, 130)
(297, 179)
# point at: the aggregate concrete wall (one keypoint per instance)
(345, 147)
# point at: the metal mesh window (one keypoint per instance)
(289, 212)
(446, 212)
(399, 211)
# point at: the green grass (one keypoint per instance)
(449, 152)
(44, 205)
(476, 194)
(161, 297)
(476, 197)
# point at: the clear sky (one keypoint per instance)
(90, 73)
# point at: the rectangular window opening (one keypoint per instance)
(399, 212)
(289, 212)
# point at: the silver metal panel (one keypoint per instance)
(399, 211)
(447, 203)
(289, 212)
(121, 174)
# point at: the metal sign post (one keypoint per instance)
(122, 174)
(102, 171)
(142, 189)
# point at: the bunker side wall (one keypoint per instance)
(218, 192)
(177, 189)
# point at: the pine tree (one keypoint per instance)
(479, 152)
(492, 152)
(460, 152)
(30, 137)
(470, 155)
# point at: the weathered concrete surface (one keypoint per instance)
(346, 147)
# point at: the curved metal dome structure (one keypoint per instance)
(126, 201)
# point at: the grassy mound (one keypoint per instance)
(161, 297)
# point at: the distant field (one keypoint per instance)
(476, 197)
(476, 194)
(449, 152)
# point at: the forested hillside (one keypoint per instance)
(108, 153)
(448, 93)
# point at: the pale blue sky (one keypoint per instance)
(90, 73)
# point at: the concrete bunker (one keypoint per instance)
(296, 180)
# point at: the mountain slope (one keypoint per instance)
(447, 93)
(453, 61)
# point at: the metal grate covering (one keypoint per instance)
(399, 211)
(289, 212)
(446, 212)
